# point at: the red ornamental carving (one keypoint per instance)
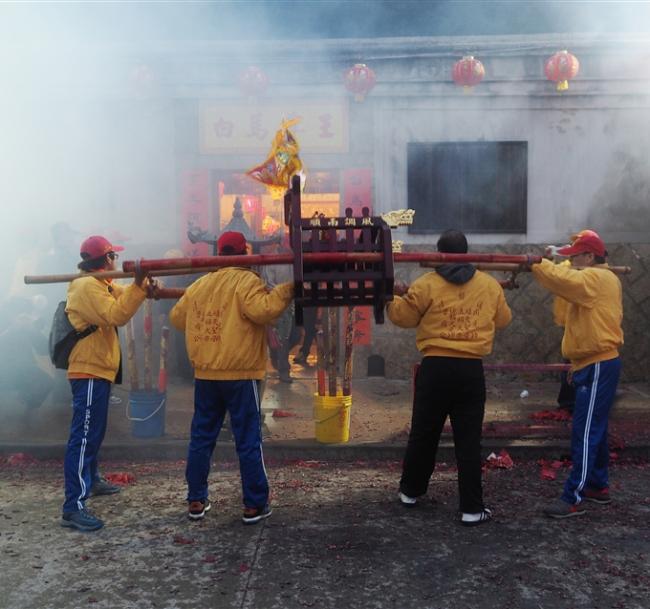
(468, 72)
(561, 68)
(359, 80)
(253, 81)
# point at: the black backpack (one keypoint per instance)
(63, 337)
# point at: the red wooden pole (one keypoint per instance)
(201, 262)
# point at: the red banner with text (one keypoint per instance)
(195, 198)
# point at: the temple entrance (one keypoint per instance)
(243, 205)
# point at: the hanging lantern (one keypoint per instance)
(561, 68)
(143, 79)
(253, 82)
(359, 80)
(468, 72)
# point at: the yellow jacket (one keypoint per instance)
(592, 323)
(560, 306)
(452, 320)
(97, 302)
(223, 315)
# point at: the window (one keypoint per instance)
(476, 187)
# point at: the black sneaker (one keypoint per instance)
(253, 515)
(83, 520)
(101, 486)
(473, 520)
(198, 509)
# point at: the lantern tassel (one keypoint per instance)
(562, 85)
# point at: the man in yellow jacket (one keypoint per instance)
(224, 315)
(94, 364)
(592, 337)
(456, 310)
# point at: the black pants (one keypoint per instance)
(454, 387)
(309, 316)
(566, 398)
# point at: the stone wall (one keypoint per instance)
(532, 336)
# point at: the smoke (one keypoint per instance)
(85, 134)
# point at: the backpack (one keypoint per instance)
(63, 337)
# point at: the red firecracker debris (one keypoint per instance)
(551, 415)
(243, 568)
(20, 459)
(209, 558)
(280, 414)
(121, 478)
(548, 473)
(502, 461)
(183, 541)
(310, 464)
(549, 468)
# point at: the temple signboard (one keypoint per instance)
(231, 127)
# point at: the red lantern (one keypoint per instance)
(253, 82)
(143, 79)
(359, 80)
(468, 72)
(561, 68)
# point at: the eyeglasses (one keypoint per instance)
(113, 255)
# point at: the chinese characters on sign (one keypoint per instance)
(228, 127)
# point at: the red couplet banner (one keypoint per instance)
(195, 198)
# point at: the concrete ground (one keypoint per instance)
(380, 419)
(337, 539)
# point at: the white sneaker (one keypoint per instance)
(472, 520)
(407, 501)
(115, 400)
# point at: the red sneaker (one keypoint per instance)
(597, 495)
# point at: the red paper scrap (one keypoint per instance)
(121, 478)
(551, 415)
(243, 568)
(502, 461)
(280, 414)
(18, 459)
(548, 473)
(184, 541)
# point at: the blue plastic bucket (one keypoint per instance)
(147, 413)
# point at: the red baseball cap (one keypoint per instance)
(582, 242)
(97, 246)
(233, 240)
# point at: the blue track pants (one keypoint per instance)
(212, 399)
(595, 387)
(87, 429)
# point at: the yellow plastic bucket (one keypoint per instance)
(332, 418)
